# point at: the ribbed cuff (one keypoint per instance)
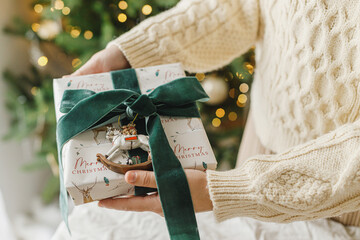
(138, 48)
(231, 194)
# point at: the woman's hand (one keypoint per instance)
(198, 189)
(106, 60)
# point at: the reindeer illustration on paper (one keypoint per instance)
(96, 132)
(86, 192)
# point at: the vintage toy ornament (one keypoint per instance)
(125, 139)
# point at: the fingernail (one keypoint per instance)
(131, 177)
(100, 204)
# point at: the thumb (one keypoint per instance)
(141, 178)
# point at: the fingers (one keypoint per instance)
(137, 203)
(89, 67)
(141, 178)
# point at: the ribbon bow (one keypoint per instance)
(86, 109)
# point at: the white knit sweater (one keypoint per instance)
(305, 97)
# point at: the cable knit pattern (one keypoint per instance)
(305, 97)
(202, 35)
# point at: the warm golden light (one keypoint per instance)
(249, 67)
(216, 122)
(33, 90)
(35, 27)
(242, 98)
(220, 112)
(42, 61)
(122, 17)
(88, 34)
(244, 88)
(58, 5)
(240, 104)
(232, 93)
(123, 5)
(200, 76)
(38, 8)
(75, 32)
(232, 116)
(66, 11)
(76, 62)
(146, 9)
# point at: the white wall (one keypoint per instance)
(18, 187)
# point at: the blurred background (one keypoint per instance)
(42, 40)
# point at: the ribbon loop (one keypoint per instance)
(143, 106)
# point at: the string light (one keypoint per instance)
(52, 9)
(122, 17)
(75, 32)
(240, 104)
(244, 88)
(200, 76)
(42, 61)
(123, 5)
(38, 8)
(33, 90)
(242, 98)
(58, 5)
(76, 62)
(146, 9)
(220, 112)
(249, 67)
(35, 27)
(88, 34)
(216, 122)
(232, 93)
(66, 11)
(232, 116)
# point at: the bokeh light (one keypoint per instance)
(58, 5)
(38, 8)
(232, 93)
(146, 9)
(244, 88)
(216, 122)
(200, 76)
(122, 17)
(76, 62)
(88, 34)
(242, 98)
(42, 61)
(232, 116)
(123, 5)
(66, 11)
(75, 32)
(220, 113)
(35, 27)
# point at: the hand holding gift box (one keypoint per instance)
(172, 137)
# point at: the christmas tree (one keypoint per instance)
(65, 34)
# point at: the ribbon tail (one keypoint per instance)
(172, 185)
(63, 200)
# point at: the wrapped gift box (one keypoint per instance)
(86, 179)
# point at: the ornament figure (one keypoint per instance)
(125, 139)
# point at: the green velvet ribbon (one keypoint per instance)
(86, 110)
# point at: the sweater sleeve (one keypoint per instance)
(201, 34)
(317, 179)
